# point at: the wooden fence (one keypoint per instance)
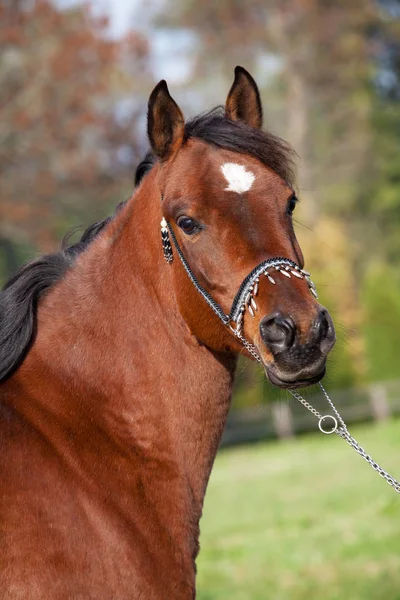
(287, 418)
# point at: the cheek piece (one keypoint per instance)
(245, 297)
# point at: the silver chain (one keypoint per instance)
(341, 430)
(360, 450)
(249, 347)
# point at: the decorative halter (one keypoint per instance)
(244, 300)
(245, 297)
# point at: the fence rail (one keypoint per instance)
(287, 418)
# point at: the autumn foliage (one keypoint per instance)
(61, 131)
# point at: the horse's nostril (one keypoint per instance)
(324, 326)
(320, 327)
(277, 332)
(324, 331)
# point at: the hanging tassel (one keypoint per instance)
(166, 243)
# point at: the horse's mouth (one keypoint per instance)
(290, 383)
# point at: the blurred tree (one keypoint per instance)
(381, 291)
(377, 206)
(67, 119)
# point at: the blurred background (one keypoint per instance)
(299, 516)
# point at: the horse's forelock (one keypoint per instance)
(215, 129)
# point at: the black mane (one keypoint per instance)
(20, 296)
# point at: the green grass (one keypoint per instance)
(303, 520)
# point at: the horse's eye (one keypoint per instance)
(188, 225)
(292, 204)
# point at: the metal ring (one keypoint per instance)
(334, 424)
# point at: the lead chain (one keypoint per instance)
(341, 431)
(345, 435)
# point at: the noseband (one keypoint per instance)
(245, 297)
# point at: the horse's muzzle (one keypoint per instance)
(297, 363)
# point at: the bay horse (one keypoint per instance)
(118, 354)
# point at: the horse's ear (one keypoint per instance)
(165, 122)
(243, 102)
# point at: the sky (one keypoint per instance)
(120, 12)
(171, 61)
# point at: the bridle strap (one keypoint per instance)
(207, 297)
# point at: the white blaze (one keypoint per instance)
(239, 179)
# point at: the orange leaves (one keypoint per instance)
(21, 119)
(60, 85)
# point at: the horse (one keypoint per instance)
(118, 355)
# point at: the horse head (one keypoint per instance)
(227, 197)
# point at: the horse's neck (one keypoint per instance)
(112, 346)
